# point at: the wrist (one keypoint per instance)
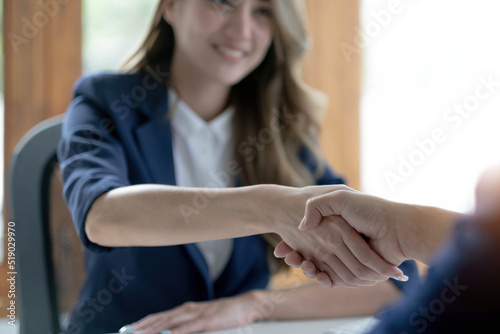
(417, 233)
(254, 208)
(408, 229)
(277, 207)
(432, 228)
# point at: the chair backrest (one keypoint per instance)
(50, 257)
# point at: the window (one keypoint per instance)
(111, 30)
(431, 95)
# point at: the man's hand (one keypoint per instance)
(336, 248)
(395, 231)
(349, 213)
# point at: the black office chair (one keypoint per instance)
(49, 255)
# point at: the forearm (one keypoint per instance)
(160, 215)
(314, 302)
(424, 229)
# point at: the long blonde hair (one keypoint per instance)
(277, 114)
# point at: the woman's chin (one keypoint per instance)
(229, 76)
(230, 80)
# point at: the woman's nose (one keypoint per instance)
(240, 23)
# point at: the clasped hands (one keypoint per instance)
(355, 238)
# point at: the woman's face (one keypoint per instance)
(222, 40)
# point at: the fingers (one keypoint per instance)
(345, 258)
(156, 323)
(324, 280)
(282, 249)
(365, 262)
(341, 275)
(309, 269)
(197, 326)
(294, 259)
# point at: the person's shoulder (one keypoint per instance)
(108, 83)
(108, 89)
(137, 95)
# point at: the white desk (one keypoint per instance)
(290, 327)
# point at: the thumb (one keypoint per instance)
(322, 206)
(312, 217)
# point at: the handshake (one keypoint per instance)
(352, 239)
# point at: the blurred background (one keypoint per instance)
(413, 86)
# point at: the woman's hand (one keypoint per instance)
(194, 317)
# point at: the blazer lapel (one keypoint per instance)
(198, 259)
(246, 252)
(155, 142)
(154, 137)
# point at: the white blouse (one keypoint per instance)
(201, 151)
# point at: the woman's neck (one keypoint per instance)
(205, 96)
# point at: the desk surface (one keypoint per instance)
(298, 327)
(291, 327)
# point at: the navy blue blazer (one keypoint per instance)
(462, 292)
(116, 134)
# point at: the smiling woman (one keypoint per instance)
(214, 89)
(138, 177)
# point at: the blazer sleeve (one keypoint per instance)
(460, 294)
(92, 159)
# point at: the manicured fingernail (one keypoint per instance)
(166, 332)
(126, 329)
(302, 223)
(401, 278)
